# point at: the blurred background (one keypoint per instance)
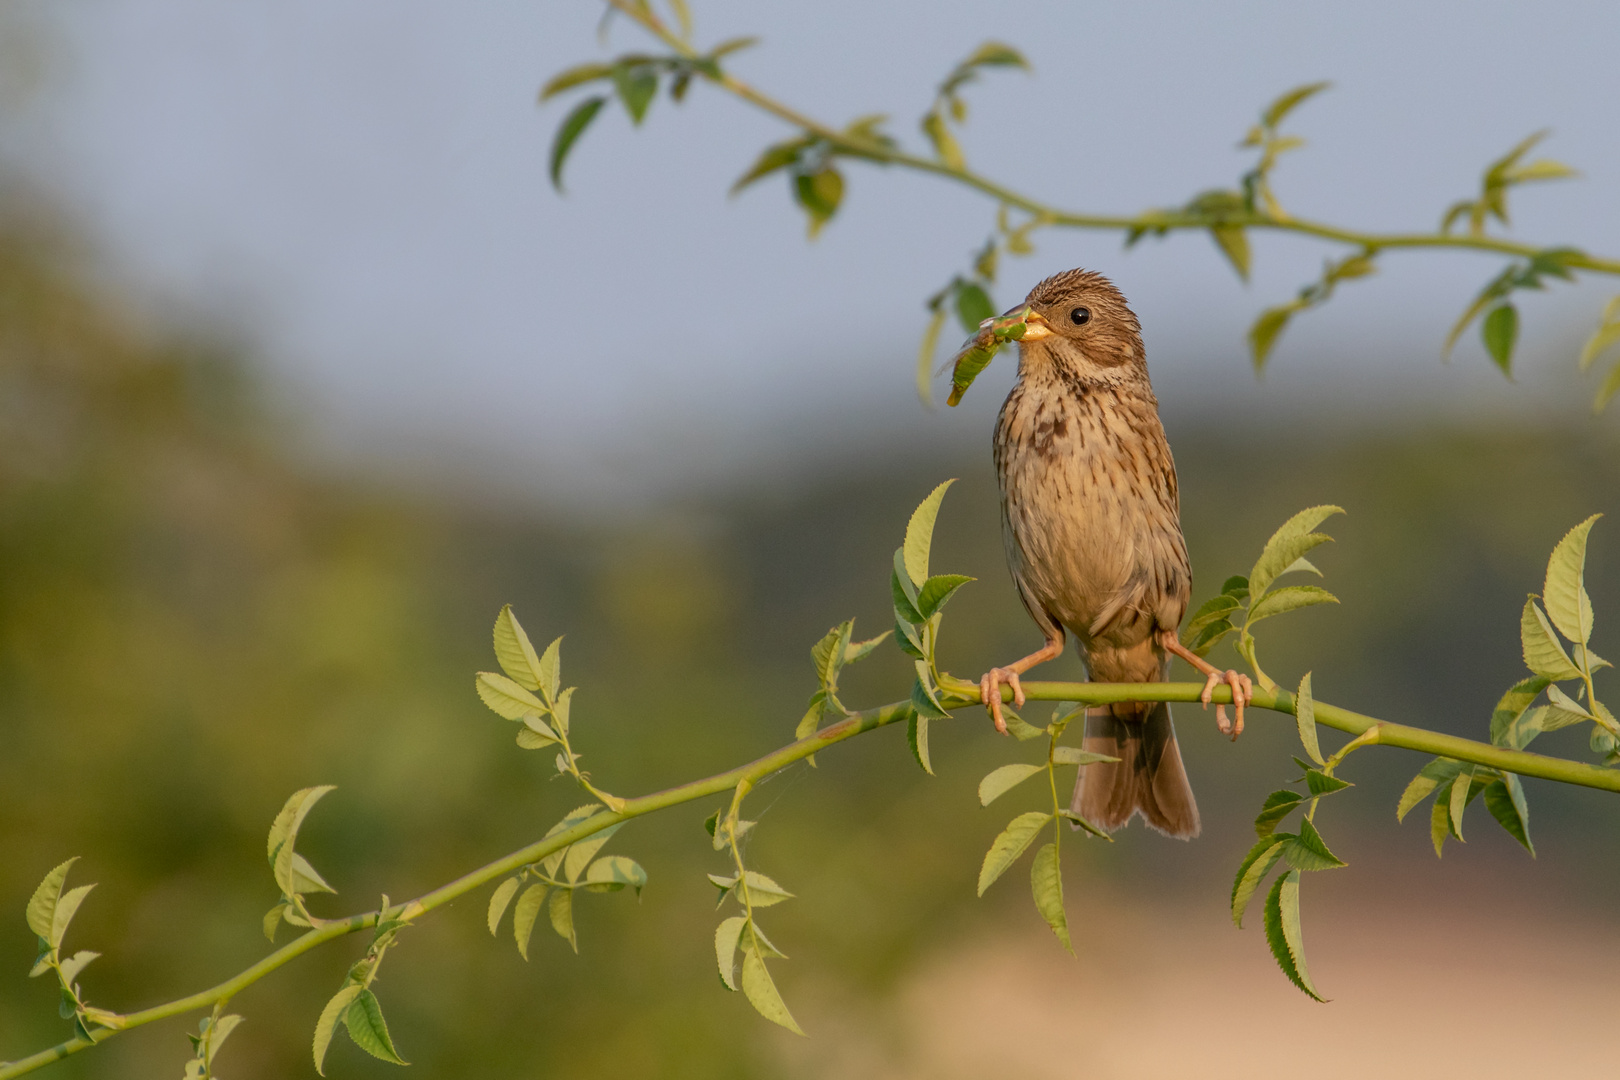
(305, 370)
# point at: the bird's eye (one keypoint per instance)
(1080, 316)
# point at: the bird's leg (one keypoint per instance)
(990, 683)
(1242, 686)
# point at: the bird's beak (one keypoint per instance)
(1007, 325)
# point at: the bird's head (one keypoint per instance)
(1079, 320)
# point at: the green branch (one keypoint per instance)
(1387, 734)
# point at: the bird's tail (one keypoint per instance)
(1148, 778)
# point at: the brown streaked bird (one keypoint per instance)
(1091, 523)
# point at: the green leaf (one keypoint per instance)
(637, 85)
(828, 654)
(1542, 652)
(1212, 610)
(937, 591)
(284, 834)
(1568, 605)
(1286, 545)
(536, 734)
(1289, 598)
(369, 1030)
(327, 1024)
(920, 534)
(580, 854)
(498, 900)
(1284, 935)
(1278, 805)
(506, 698)
(1305, 714)
(1500, 331)
(1308, 851)
(562, 916)
(1000, 781)
(1319, 783)
(819, 193)
(524, 916)
(575, 816)
(1512, 706)
(995, 54)
(1440, 817)
(306, 878)
(1073, 755)
(1253, 870)
(1018, 727)
(762, 993)
(726, 936)
(1458, 799)
(1610, 387)
(973, 306)
(763, 891)
(772, 159)
(1287, 102)
(273, 918)
(923, 699)
(1504, 798)
(614, 872)
(1234, 244)
(514, 652)
(860, 650)
(944, 143)
(75, 964)
(575, 76)
(1606, 335)
(1265, 331)
(42, 905)
(1046, 882)
(1007, 847)
(568, 133)
(925, 357)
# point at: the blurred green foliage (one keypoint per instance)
(191, 628)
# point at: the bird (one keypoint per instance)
(1091, 524)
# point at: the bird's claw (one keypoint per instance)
(990, 684)
(1242, 694)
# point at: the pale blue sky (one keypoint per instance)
(360, 186)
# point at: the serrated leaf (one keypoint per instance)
(1511, 707)
(1504, 798)
(514, 652)
(1440, 817)
(1019, 728)
(1289, 598)
(568, 133)
(218, 1032)
(920, 534)
(1457, 797)
(1542, 652)
(580, 854)
(536, 734)
(284, 834)
(506, 698)
(326, 1026)
(828, 654)
(75, 964)
(1564, 702)
(614, 872)
(1308, 851)
(498, 900)
(42, 905)
(937, 591)
(1073, 755)
(1000, 781)
(763, 891)
(273, 919)
(1284, 934)
(1212, 610)
(1007, 847)
(369, 1030)
(562, 916)
(923, 699)
(1292, 540)
(1319, 783)
(917, 736)
(726, 936)
(524, 916)
(1431, 776)
(1305, 715)
(1046, 882)
(1253, 870)
(306, 878)
(860, 650)
(1278, 805)
(1568, 605)
(574, 817)
(762, 993)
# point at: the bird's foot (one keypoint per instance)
(990, 684)
(1242, 694)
